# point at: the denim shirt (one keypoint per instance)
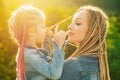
(38, 66)
(81, 68)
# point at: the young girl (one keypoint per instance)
(27, 25)
(88, 32)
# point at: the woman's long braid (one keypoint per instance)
(53, 26)
(100, 58)
(103, 53)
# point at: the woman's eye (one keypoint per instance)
(78, 23)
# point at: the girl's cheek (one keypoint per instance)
(43, 31)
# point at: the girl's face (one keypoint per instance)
(40, 33)
(78, 28)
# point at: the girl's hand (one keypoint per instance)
(49, 32)
(59, 37)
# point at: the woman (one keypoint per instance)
(88, 32)
(28, 27)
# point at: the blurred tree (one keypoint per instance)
(56, 10)
(113, 44)
(7, 47)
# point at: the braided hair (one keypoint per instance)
(21, 21)
(94, 44)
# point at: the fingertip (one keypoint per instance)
(66, 32)
(56, 29)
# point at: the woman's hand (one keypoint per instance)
(59, 37)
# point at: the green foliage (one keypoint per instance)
(113, 43)
(7, 48)
(56, 10)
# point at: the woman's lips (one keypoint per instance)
(70, 33)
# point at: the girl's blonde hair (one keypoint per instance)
(94, 43)
(21, 21)
(25, 17)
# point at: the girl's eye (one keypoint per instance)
(43, 27)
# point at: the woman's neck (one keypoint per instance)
(78, 45)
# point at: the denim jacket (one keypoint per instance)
(38, 66)
(81, 68)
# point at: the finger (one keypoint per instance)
(56, 29)
(63, 32)
(49, 33)
(66, 32)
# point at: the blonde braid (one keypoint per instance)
(94, 43)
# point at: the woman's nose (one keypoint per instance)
(70, 26)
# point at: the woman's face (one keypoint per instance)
(78, 28)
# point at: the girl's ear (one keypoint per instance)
(31, 32)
